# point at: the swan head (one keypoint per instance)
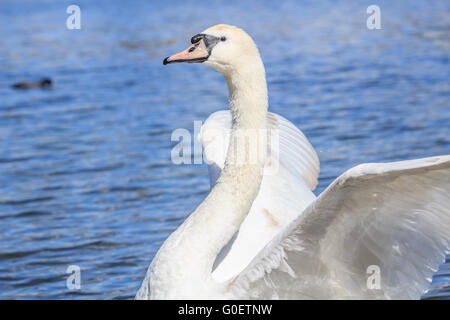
(223, 47)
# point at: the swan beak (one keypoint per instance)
(197, 52)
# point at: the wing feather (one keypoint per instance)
(294, 150)
(393, 216)
(290, 173)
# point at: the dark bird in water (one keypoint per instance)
(43, 83)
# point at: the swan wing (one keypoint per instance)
(291, 171)
(378, 231)
(292, 149)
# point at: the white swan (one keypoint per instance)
(260, 233)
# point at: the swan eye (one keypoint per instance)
(223, 39)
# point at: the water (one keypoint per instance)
(85, 171)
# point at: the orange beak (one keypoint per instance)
(197, 52)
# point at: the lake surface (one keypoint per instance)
(85, 171)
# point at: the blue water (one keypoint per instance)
(85, 171)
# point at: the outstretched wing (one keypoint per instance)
(291, 171)
(378, 231)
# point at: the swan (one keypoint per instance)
(262, 234)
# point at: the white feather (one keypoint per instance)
(392, 215)
(291, 171)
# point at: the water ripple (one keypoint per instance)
(85, 171)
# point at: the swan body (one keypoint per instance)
(261, 233)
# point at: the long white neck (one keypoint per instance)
(188, 255)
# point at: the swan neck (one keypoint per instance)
(189, 253)
(247, 89)
(231, 198)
